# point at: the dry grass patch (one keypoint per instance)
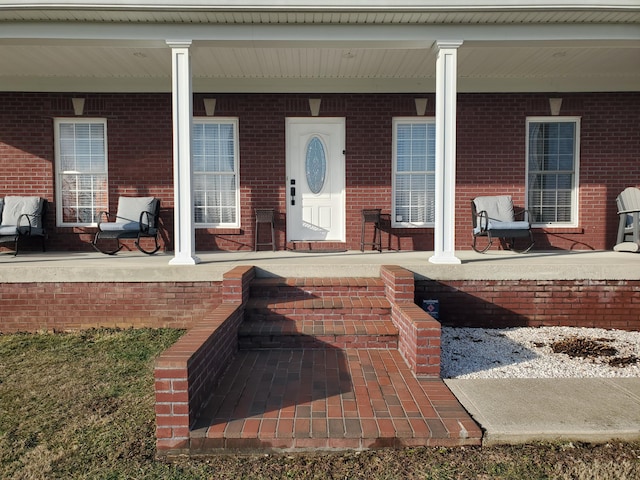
(81, 406)
(72, 405)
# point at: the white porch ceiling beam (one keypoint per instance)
(320, 5)
(269, 36)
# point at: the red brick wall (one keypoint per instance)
(188, 371)
(419, 333)
(491, 157)
(487, 303)
(32, 307)
(511, 303)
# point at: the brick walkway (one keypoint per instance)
(329, 398)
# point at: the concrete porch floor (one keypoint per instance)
(494, 265)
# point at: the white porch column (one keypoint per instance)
(446, 92)
(184, 237)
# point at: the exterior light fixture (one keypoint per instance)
(78, 106)
(554, 106)
(421, 106)
(209, 106)
(314, 105)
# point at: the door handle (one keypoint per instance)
(293, 191)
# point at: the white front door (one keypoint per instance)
(315, 179)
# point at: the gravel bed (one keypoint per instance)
(529, 353)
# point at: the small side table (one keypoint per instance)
(264, 215)
(371, 215)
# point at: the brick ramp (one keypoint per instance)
(329, 398)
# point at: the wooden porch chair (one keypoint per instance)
(628, 202)
(22, 217)
(494, 217)
(136, 218)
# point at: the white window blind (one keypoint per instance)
(552, 170)
(81, 166)
(215, 169)
(414, 172)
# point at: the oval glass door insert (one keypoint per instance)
(315, 165)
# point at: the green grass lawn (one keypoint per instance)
(81, 406)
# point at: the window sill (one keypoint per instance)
(77, 228)
(221, 231)
(557, 230)
(414, 227)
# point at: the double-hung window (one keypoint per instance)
(414, 164)
(81, 170)
(215, 172)
(553, 148)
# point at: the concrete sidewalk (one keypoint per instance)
(591, 410)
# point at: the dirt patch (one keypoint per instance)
(592, 349)
(583, 348)
(622, 362)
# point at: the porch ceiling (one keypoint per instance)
(510, 67)
(308, 46)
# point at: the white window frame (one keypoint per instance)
(59, 178)
(396, 222)
(236, 171)
(576, 170)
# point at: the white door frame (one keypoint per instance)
(331, 132)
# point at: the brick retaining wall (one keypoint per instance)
(187, 372)
(419, 338)
(32, 307)
(505, 303)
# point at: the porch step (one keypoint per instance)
(322, 308)
(317, 313)
(316, 246)
(290, 288)
(305, 333)
(296, 400)
(319, 368)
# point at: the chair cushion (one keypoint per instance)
(119, 226)
(508, 225)
(33, 231)
(8, 230)
(15, 206)
(498, 208)
(504, 226)
(130, 208)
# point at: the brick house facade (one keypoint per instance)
(491, 157)
(486, 87)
